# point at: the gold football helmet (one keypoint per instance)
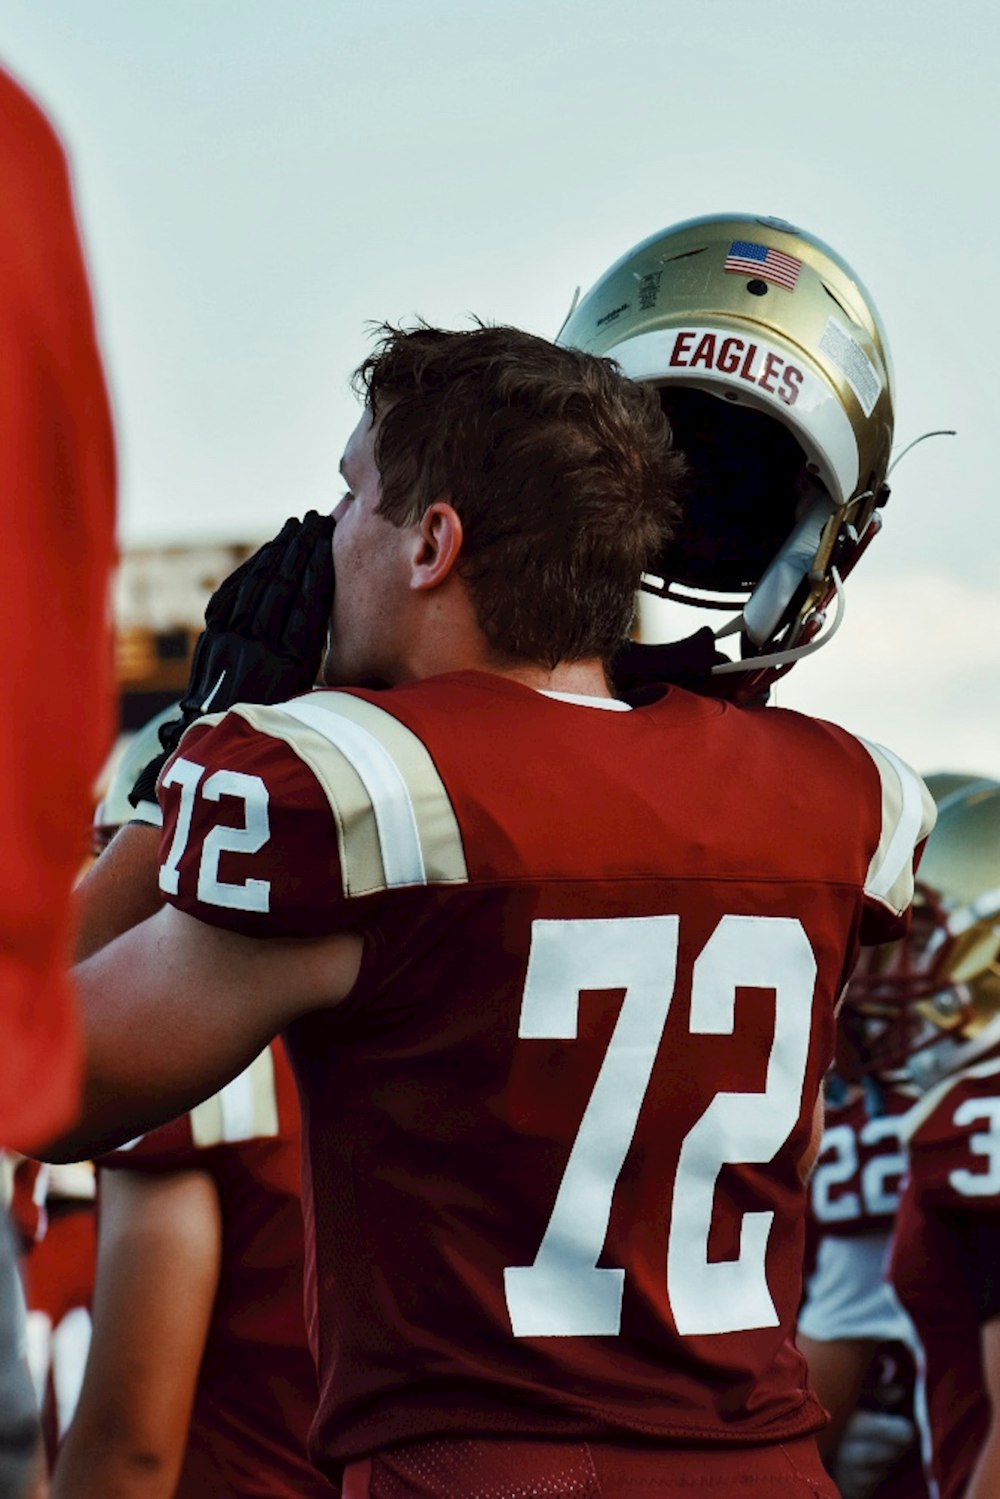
(773, 368)
(114, 809)
(919, 1009)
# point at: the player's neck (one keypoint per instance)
(578, 678)
(456, 650)
(444, 636)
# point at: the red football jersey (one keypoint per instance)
(853, 1198)
(256, 1393)
(942, 1276)
(57, 480)
(856, 1185)
(554, 1134)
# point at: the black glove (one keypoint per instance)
(265, 630)
(684, 663)
(638, 670)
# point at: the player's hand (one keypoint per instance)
(265, 630)
(682, 663)
(685, 663)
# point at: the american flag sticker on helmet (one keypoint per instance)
(747, 259)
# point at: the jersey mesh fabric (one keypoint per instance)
(469, 1469)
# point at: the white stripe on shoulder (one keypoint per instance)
(908, 814)
(245, 1109)
(396, 825)
(392, 805)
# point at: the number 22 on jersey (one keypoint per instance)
(564, 1293)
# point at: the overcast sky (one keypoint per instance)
(258, 183)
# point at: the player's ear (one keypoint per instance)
(437, 546)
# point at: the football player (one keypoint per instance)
(928, 1011)
(57, 483)
(199, 1380)
(851, 1329)
(783, 405)
(557, 973)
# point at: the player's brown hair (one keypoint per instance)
(561, 469)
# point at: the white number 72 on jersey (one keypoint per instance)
(564, 1293)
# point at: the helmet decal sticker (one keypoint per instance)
(748, 259)
(851, 359)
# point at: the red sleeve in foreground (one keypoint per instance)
(57, 489)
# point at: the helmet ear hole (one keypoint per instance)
(743, 488)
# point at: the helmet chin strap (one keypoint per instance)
(766, 606)
(792, 652)
(764, 610)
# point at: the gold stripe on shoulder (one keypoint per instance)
(439, 833)
(245, 1109)
(349, 798)
(206, 1122)
(395, 822)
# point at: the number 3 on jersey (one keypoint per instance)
(564, 1293)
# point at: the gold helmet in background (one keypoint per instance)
(774, 370)
(114, 809)
(921, 1008)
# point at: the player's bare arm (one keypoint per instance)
(985, 1480)
(158, 1271)
(120, 890)
(174, 1009)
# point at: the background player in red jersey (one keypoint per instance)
(558, 973)
(57, 491)
(54, 1213)
(851, 1328)
(929, 1011)
(200, 1382)
(856, 1336)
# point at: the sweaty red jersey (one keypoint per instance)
(256, 1393)
(944, 1259)
(554, 1134)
